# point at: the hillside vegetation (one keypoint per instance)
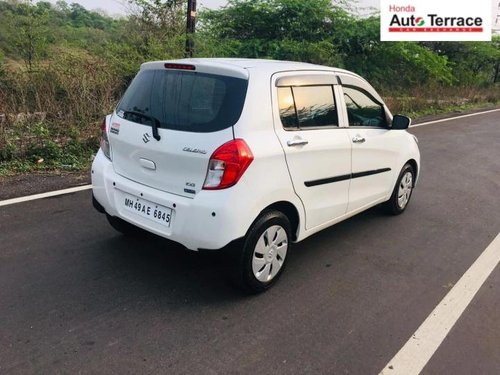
(62, 67)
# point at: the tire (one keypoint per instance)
(261, 259)
(402, 192)
(123, 227)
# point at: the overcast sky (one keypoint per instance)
(118, 7)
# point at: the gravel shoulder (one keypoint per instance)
(35, 183)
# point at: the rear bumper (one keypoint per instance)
(207, 221)
(97, 205)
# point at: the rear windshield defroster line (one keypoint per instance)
(186, 101)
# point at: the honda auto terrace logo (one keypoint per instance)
(431, 20)
(146, 137)
(435, 23)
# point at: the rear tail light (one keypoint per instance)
(227, 164)
(105, 140)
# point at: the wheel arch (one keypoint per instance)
(290, 211)
(414, 165)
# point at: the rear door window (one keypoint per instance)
(307, 107)
(186, 101)
(288, 114)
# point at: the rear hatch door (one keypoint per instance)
(193, 110)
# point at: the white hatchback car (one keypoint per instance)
(257, 153)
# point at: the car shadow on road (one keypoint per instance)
(153, 266)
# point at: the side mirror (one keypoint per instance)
(400, 122)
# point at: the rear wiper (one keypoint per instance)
(155, 123)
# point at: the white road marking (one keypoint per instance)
(86, 187)
(419, 349)
(44, 195)
(453, 118)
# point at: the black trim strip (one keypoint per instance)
(327, 180)
(369, 173)
(330, 180)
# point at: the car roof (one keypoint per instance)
(243, 65)
(253, 63)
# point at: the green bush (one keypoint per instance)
(48, 152)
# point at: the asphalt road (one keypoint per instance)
(76, 297)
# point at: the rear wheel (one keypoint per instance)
(262, 258)
(123, 227)
(402, 191)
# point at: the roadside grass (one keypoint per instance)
(425, 101)
(73, 164)
(50, 116)
(43, 147)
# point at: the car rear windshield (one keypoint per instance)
(186, 101)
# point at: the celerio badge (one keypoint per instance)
(194, 150)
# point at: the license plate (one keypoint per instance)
(149, 210)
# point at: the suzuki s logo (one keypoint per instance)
(146, 137)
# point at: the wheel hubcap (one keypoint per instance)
(269, 253)
(405, 188)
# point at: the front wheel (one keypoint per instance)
(262, 258)
(402, 191)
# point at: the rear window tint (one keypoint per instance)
(286, 103)
(186, 101)
(315, 106)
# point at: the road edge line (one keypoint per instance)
(44, 195)
(419, 349)
(454, 118)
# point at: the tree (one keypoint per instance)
(472, 61)
(282, 29)
(30, 39)
(62, 6)
(496, 43)
(156, 28)
(404, 63)
(2, 66)
(167, 16)
(317, 31)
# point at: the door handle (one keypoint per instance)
(297, 142)
(358, 139)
